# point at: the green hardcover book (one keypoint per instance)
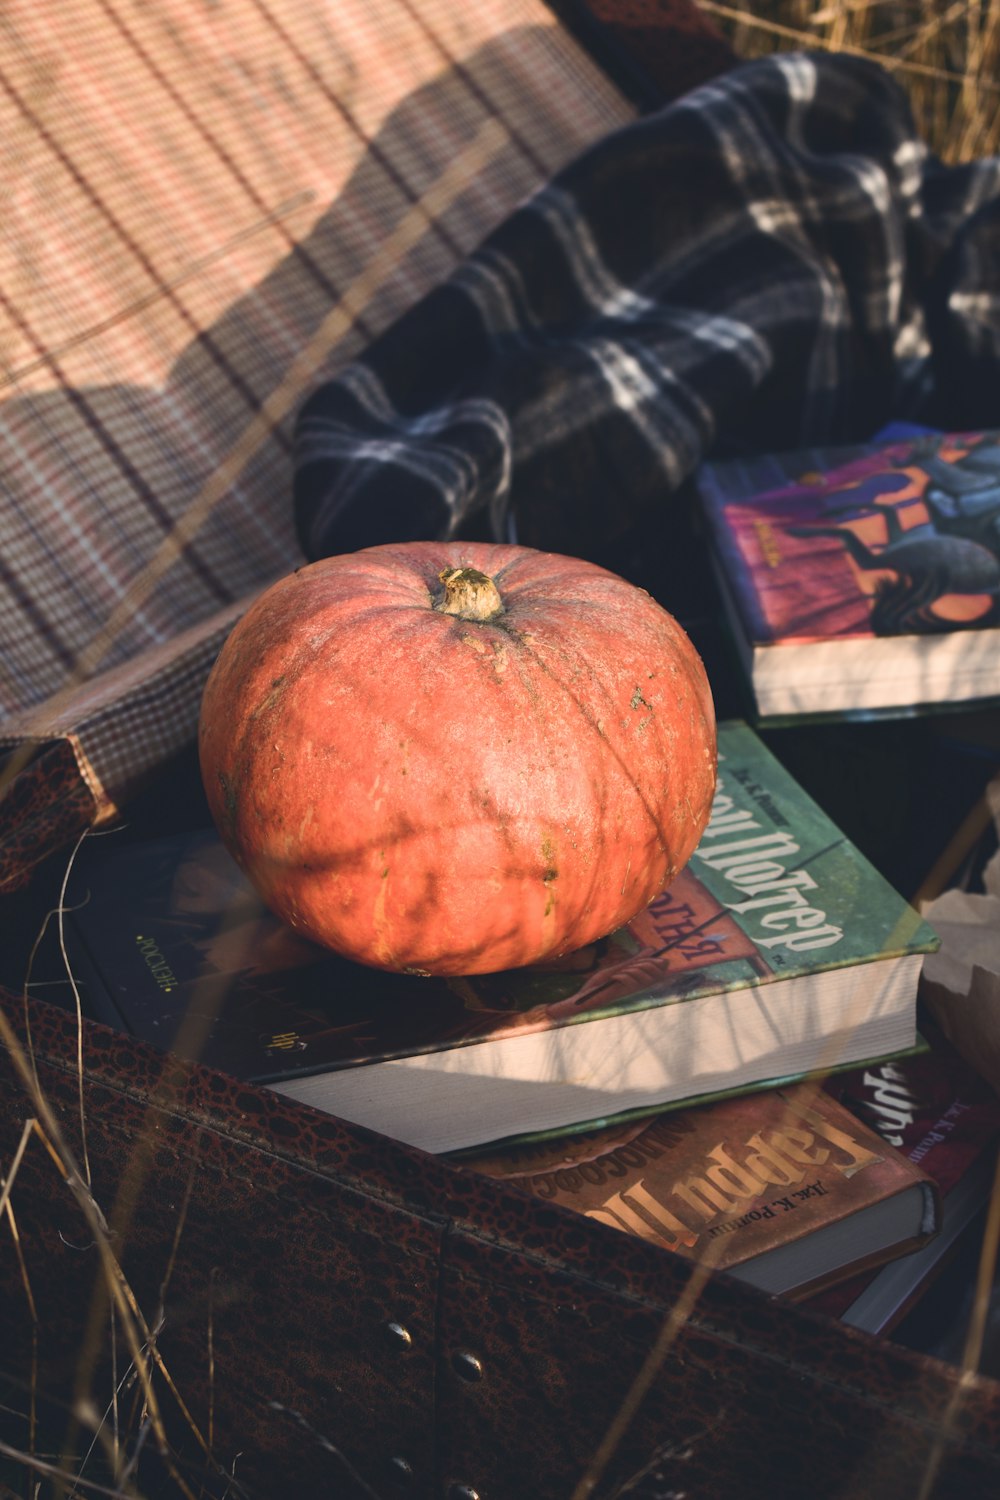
(779, 951)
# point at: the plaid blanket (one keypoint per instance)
(775, 259)
(214, 209)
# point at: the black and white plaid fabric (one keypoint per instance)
(775, 259)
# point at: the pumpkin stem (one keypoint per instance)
(470, 594)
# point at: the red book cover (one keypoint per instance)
(786, 1189)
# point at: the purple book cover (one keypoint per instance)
(902, 537)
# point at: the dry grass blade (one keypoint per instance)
(8, 1182)
(973, 1340)
(947, 58)
(985, 1278)
(670, 1330)
(63, 1479)
(29, 1297)
(112, 1296)
(61, 914)
(113, 1281)
(678, 1316)
(361, 1487)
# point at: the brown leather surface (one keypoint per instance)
(288, 1249)
(752, 1399)
(290, 1242)
(44, 805)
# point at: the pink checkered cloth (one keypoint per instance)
(206, 210)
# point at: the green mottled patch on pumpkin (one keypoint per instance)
(550, 874)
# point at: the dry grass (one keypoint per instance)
(946, 53)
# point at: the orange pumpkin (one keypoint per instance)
(454, 758)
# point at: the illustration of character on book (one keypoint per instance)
(923, 533)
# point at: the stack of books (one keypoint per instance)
(849, 1195)
(664, 1080)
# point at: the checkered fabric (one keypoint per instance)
(772, 260)
(207, 210)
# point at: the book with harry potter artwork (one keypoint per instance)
(785, 1189)
(941, 1114)
(778, 951)
(862, 579)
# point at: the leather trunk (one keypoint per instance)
(338, 1314)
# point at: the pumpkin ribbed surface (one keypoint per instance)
(457, 792)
